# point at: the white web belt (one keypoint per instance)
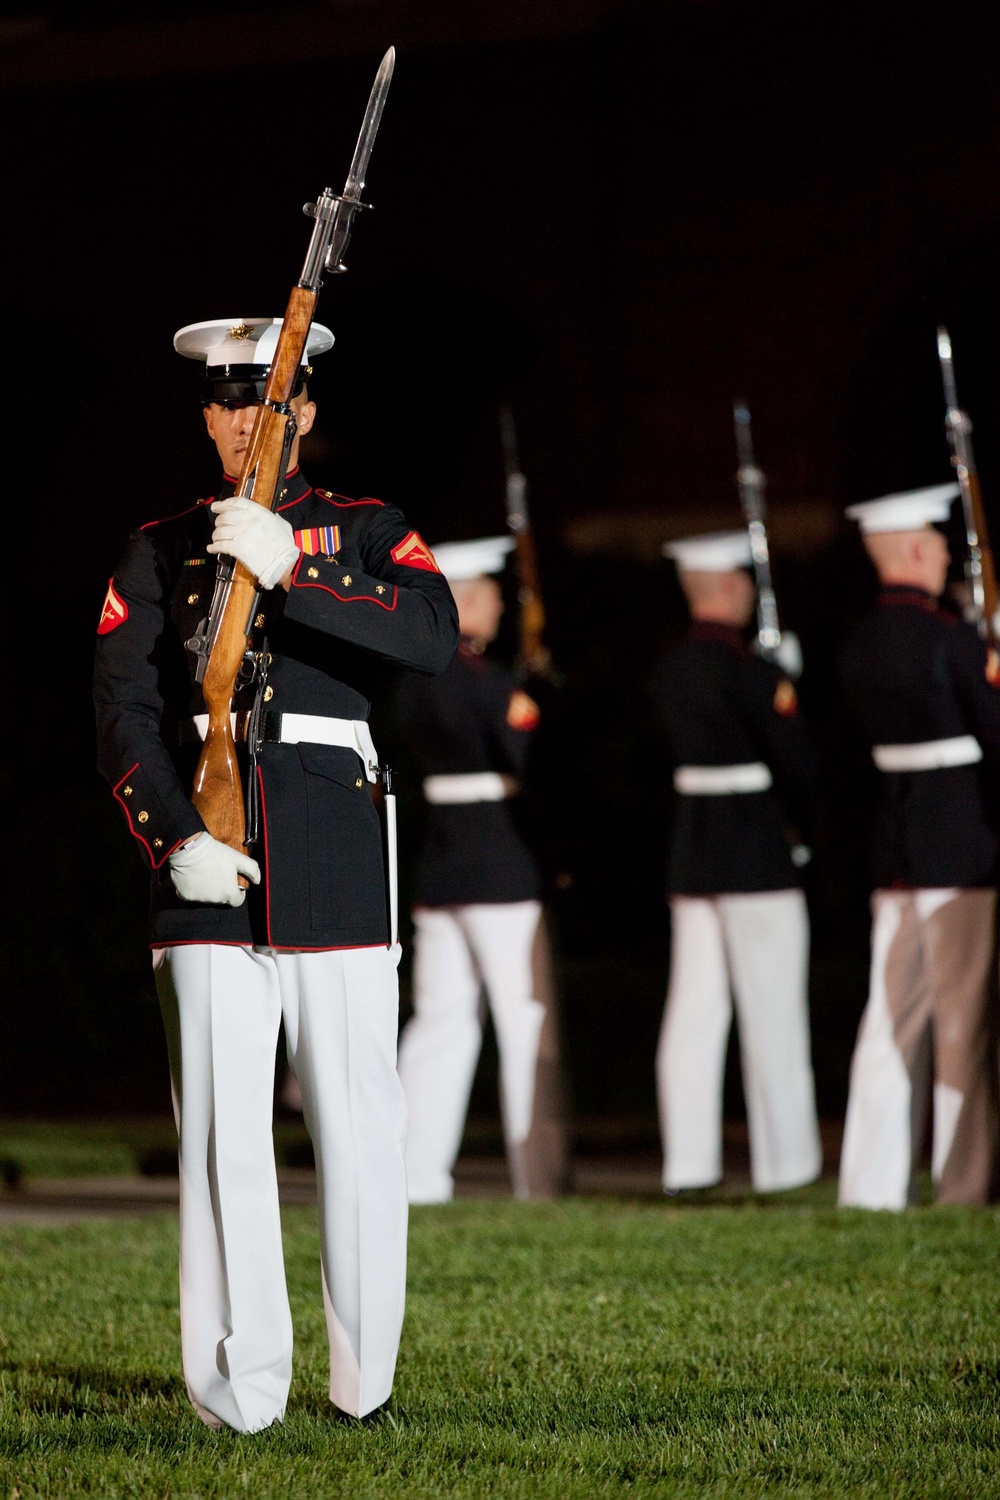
(722, 781)
(314, 729)
(475, 786)
(929, 755)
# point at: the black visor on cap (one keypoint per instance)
(240, 385)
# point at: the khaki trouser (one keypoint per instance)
(929, 1018)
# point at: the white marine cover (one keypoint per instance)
(909, 510)
(713, 552)
(461, 560)
(244, 341)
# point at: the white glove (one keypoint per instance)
(257, 537)
(206, 871)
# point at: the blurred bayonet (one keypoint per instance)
(533, 657)
(517, 485)
(750, 482)
(979, 570)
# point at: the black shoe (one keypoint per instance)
(380, 1414)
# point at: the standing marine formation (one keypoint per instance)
(923, 688)
(479, 923)
(744, 781)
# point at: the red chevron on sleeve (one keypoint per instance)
(413, 552)
(114, 613)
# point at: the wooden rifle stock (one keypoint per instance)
(218, 789)
(531, 627)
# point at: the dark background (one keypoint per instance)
(617, 217)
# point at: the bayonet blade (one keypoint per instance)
(744, 442)
(517, 484)
(947, 369)
(369, 125)
(334, 212)
(750, 483)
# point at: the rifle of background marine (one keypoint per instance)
(980, 573)
(534, 659)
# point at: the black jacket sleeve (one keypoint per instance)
(373, 597)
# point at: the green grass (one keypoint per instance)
(113, 1148)
(585, 1348)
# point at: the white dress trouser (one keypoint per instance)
(222, 1008)
(926, 1038)
(457, 951)
(754, 947)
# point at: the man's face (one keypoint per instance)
(480, 605)
(230, 427)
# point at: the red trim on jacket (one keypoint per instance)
(345, 502)
(223, 943)
(123, 804)
(162, 521)
(716, 630)
(304, 496)
(344, 598)
(893, 594)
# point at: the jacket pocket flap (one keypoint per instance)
(334, 762)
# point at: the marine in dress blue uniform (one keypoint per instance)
(479, 919)
(923, 690)
(347, 587)
(744, 776)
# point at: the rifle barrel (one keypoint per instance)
(751, 481)
(980, 573)
(218, 791)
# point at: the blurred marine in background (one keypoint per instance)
(479, 922)
(744, 777)
(923, 688)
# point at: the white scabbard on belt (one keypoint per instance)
(929, 755)
(722, 781)
(475, 786)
